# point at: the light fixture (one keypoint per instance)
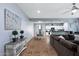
(38, 11)
(73, 11)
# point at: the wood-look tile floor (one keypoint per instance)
(39, 48)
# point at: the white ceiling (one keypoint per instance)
(47, 10)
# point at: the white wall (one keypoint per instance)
(28, 27)
(4, 34)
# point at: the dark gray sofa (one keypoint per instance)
(63, 47)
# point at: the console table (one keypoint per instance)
(14, 48)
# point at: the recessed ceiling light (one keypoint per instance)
(38, 11)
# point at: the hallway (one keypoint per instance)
(39, 48)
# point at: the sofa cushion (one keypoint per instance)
(76, 41)
(69, 45)
(62, 37)
(66, 37)
(57, 38)
(71, 37)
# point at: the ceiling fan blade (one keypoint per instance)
(78, 8)
(67, 11)
(72, 10)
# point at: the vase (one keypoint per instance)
(14, 39)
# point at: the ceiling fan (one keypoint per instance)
(73, 9)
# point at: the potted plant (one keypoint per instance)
(14, 33)
(21, 32)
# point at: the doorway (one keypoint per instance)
(39, 29)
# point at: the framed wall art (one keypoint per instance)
(11, 20)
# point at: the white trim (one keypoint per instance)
(21, 51)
